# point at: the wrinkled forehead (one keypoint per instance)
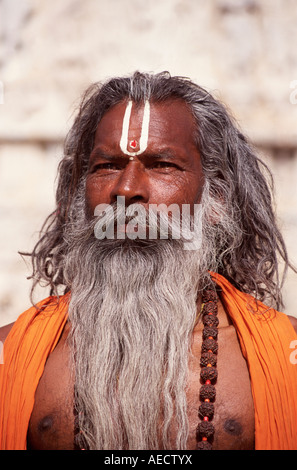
(132, 126)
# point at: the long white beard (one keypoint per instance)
(132, 312)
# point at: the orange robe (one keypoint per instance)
(265, 338)
(29, 343)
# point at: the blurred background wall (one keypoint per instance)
(243, 51)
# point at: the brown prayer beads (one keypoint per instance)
(208, 374)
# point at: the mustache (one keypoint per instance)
(118, 221)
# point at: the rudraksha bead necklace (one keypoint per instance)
(208, 373)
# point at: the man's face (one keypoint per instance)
(167, 172)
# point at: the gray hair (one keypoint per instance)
(235, 175)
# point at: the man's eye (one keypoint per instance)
(164, 165)
(104, 166)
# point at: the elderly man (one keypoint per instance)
(154, 342)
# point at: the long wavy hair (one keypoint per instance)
(250, 260)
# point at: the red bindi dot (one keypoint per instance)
(133, 144)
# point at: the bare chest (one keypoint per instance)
(52, 424)
(233, 418)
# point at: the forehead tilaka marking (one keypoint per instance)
(144, 131)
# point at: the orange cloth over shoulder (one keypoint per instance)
(265, 339)
(29, 343)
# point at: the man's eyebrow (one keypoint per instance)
(159, 154)
(166, 153)
(100, 153)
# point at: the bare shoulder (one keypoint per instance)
(4, 330)
(293, 321)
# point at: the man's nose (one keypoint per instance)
(133, 184)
